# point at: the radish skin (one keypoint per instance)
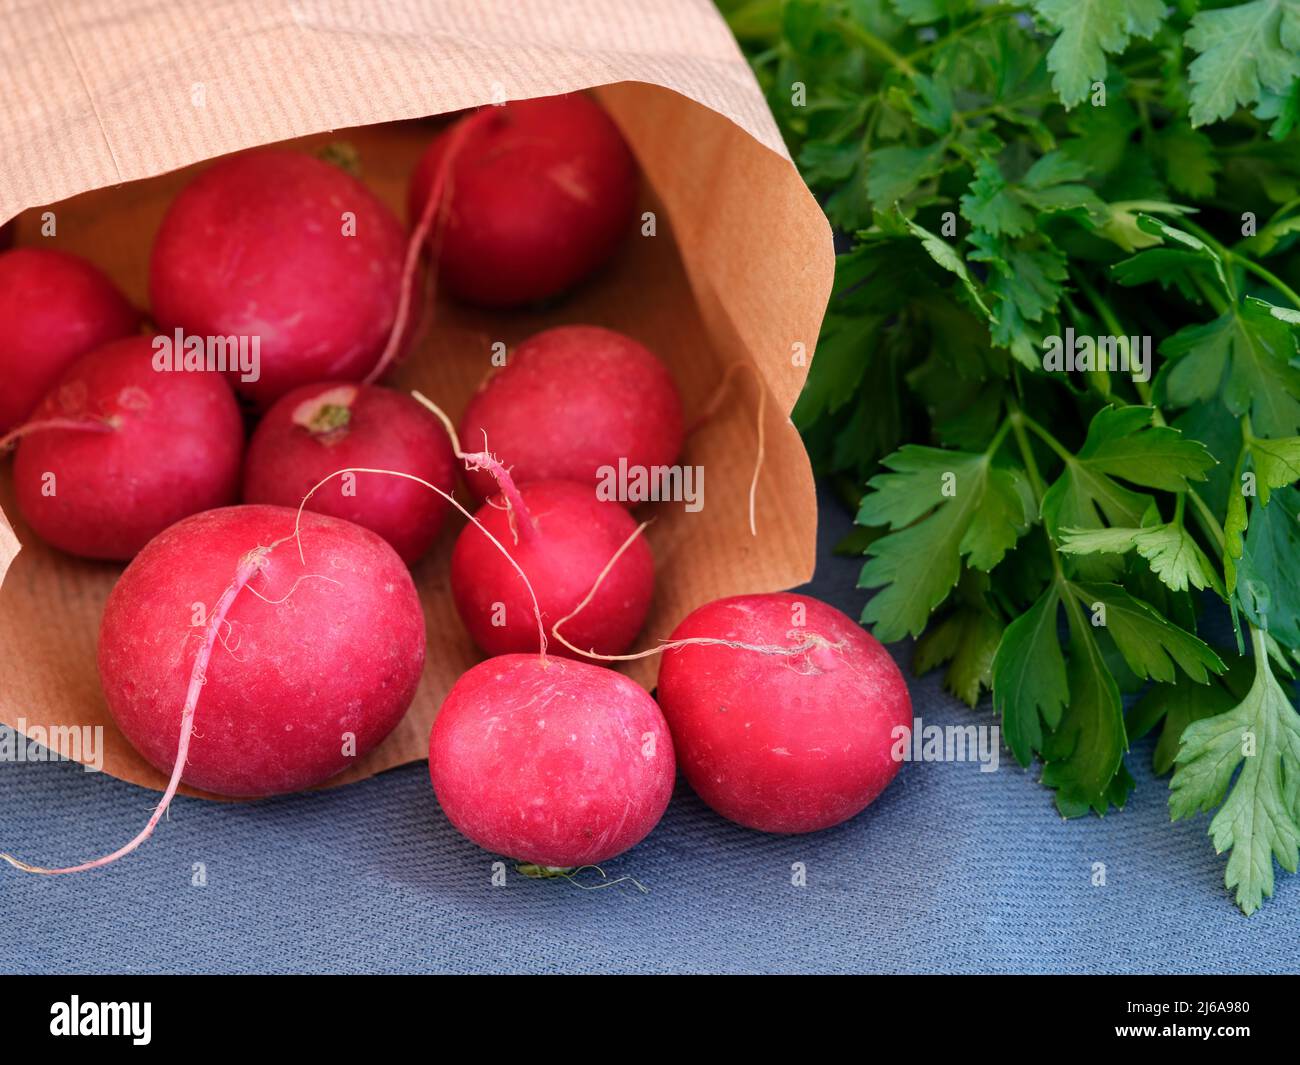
(54, 308)
(548, 761)
(561, 536)
(315, 662)
(281, 246)
(317, 429)
(782, 742)
(542, 193)
(118, 451)
(570, 401)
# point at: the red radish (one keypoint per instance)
(316, 659)
(317, 429)
(118, 451)
(54, 307)
(554, 762)
(571, 401)
(791, 732)
(283, 247)
(542, 192)
(565, 537)
(374, 684)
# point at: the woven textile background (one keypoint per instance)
(952, 870)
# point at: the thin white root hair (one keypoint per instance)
(485, 460)
(537, 610)
(714, 404)
(809, 641)
(441, 415)
(88, 425)
(249, 566)
(435, 208)
(285, 598)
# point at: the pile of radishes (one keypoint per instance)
(267, 632)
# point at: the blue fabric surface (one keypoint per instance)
(951, 870)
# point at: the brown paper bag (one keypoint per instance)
(97, 98)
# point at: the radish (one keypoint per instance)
(337, 667)
(282, 247)
(554, 762)
(54, 307)
(783, 711)
(571, 401)
(117, 451)
(317, 429)
(564, 538)
(315, 661)
(541, 193)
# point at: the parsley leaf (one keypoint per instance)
(991, 204)
(1268, 579)
(1121, 443)
(943, 506)
(966, 639)
(1244, 357)
(1084, 754)
(1174, 556)
(1246, 50)
(1260, 819)
(1174, 707)
(1089, 30)
(1030, 686)
(1150, 645)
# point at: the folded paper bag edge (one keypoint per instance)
(200, 97)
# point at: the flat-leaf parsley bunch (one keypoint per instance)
(1059, 377)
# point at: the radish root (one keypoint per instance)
(806, 641)
(435, 208)
(537, 610)
(89, 425)
(249, 566)
(549, 872)
(520, 518)
(711, 408)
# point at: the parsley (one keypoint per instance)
(1116, 177)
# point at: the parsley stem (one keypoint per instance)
(998, 437)
(994, 15)
(1048, 439)
(1208, 521)
(1016, 420)
(1268, 277)
(1216, 301)
(1245, 262)
(1205, 235)
(1099, 305)
(1143, 389)
(872, 43)
(1225, 256)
